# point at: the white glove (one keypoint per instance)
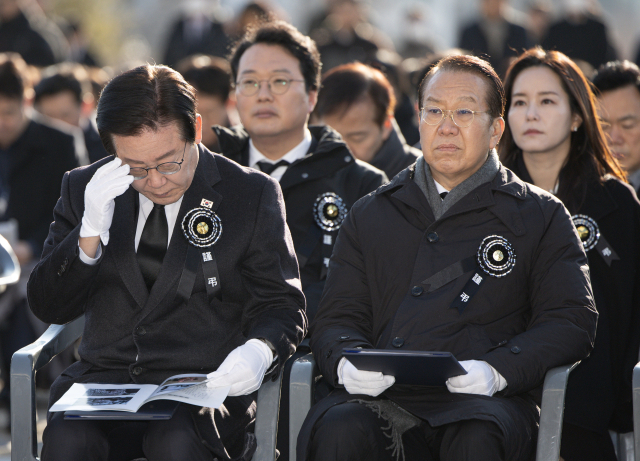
(243, 369)
(481, 378)
(356, 381)
(110, 181)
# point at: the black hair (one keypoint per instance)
(208, 75)
(59, 83)
(616, 74)
(347, 84)
(283, 34)
(147, 97)
(12, 76)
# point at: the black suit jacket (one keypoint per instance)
(133, 336)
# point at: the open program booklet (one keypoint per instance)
(188, 388)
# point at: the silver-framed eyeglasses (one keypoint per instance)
(165, 168)
(277, 85)
(433, 115)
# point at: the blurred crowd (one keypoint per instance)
(50, 82)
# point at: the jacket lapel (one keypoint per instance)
(122, 245)
(201, 188)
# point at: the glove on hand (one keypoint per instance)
(356, 381)
(243, 369)
(481, 378)
(110, 181)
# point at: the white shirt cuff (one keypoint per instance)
(86, 259)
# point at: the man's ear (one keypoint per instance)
(198, 129)
(313, 99)
(387, 127)
(497, 128)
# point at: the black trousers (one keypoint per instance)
(175, 439)
(580, 444)
(352, 432)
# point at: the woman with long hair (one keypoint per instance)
(553, 139)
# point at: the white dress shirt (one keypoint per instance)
(440, 188)
(146, 205)
(294, 154)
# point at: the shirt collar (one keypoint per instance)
(440, 188)
(294, 154)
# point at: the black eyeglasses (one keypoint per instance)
(165, 168)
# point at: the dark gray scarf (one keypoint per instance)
(425, 182)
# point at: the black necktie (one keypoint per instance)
(153, 244)
(443, 195)
(268, 167)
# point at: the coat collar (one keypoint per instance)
(327, 154)
(124, 226)
(488, 195)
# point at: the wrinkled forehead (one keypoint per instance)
(456, 87)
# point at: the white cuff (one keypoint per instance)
(266, 350)
(86, 259)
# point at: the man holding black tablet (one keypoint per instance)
(456, 254)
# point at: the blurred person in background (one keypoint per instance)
(581, 34)
(33, 159)
(495, 36)
(346, 35)
(538, 20)
(196, 31)
(618, 84)
(64, 94)
(79, 48)
(358, 102)
(253, 14)
(18, 34)
(390, 64)
(211, 77)
(554, 140)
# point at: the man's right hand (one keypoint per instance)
(110, 181)
(356, 381)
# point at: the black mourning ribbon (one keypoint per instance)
(153, 245)
(268, 167)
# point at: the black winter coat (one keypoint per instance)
(599, 389)
(538, 316)
(327, 167)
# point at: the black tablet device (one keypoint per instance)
(154, 410)
(408, 367)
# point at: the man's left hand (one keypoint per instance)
(243, 369)
(481, 378)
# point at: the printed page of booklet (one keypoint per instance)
(189, 388)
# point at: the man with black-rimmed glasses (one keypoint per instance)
(276, 70)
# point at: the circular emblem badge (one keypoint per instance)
(329, 211)
(496, 256)
(202, 227)
(588, 230)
